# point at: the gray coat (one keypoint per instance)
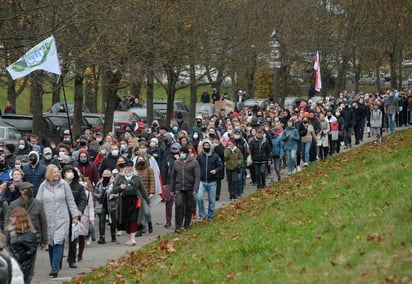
(58, 200)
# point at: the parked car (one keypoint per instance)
(249, 103)
(294, 101)
(24, 124)
(9, 134)
(95, 120)
(60, 120)
(59, 107)
(201, 108)
(121, 119)
(160, 109)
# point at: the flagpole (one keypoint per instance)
(67, 112)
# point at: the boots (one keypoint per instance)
(150, 225)
(114, 239)
(101, 241)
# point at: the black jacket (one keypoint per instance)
(260, 150)
(208, 163)
(24, 250)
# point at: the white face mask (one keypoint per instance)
(115, 153)
(21, 147)
(99, 140)
(237, 136)
(142, 151)
(69, 176)
(17, 166)
(152, 144)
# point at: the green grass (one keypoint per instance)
(344, 220)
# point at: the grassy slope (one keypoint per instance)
(347, 220)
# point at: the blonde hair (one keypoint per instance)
(49, 172)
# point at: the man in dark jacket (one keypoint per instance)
(210, 167)
(243, 146)
(184, 184)
(109, 162)
(34, 172)
(349, 122)
(261, 153)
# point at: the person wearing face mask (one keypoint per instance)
(147, 175)
(109, 161)
(198, 125)
(184, 184)
(154, 149)
(243, 146)
(308, 136)
(233, 162)
(34, 171)
(86, 167)
(23, 147)
(333, 136)
(152, 163)
(106, 205)
(130, 187)
(261, 154)
(83, 144)
(210, 167)
(349, 121)
(96, 141)
(71, 176)
(35, 210)
(47, 157)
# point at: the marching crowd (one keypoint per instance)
(49, 192)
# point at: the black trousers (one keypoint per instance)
(184, 201)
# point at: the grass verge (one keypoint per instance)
(347, 219)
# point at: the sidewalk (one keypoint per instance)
(96, 255)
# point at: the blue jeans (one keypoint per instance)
(391, 121)
(210, 188)
(240, 181)
(55, 256)
(291, 160)
(306, 151)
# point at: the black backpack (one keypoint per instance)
(5, 267)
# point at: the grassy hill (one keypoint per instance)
(344, 220)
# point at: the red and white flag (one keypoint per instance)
(318, 79)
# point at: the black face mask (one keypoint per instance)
(33, 161)
(204, 129)
(207, 150)
(141, 163)
(121, 165)
(82, 143)
(106, 180)
(28, 192)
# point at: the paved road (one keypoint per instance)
(96, 255)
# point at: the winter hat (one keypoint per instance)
(10, 147)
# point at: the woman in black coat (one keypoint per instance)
(22, 241)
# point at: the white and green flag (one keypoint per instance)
(41, 57)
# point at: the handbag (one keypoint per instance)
(138, 203)
(99, 208)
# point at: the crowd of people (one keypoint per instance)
(69, 192)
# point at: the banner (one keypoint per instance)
(41, 57)
(318, 79)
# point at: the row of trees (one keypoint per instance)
(108, 45)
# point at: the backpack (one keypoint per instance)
(5, 267)
(303, 131)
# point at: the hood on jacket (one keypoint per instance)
(37, 157)
(76, 174)
(85, 152)
(211, 146)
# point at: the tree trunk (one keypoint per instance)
(111, 81)
(91, 89)
(193, 95)
(149, 94)
(172, 77)
(78, 105)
